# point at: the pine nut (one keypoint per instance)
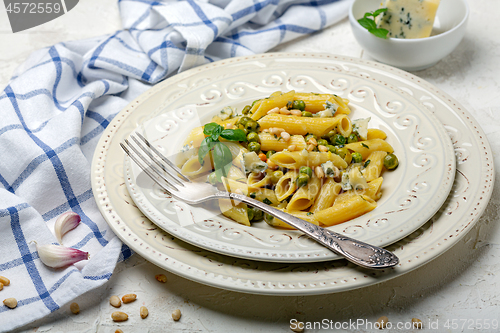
(119, 316)
(274, 110)
(75, 308)
(238, 191)
(298, 327)
(4, 280)
(1, 285)
(118, 331)
(319, 172)
(129, 298)
(271, 165)
(115, 301)
(285, 136)
(292, 147)
(284, 110)
(161, 278)
(310, 147)
(176, 315)
(296, 112)
(10, 302)
(312, 141)
(144, 312)
(416, 323)
(229, 126)
(322, 148)
(382, 322)
(265, 130)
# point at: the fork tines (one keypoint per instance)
(143, 154)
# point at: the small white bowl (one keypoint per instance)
(413, 54)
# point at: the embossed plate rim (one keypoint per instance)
(258, 243)
(275, 278)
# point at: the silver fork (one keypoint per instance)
(148, 158)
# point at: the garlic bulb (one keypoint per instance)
(64, 223)
(57, 256)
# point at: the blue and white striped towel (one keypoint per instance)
(62, 98)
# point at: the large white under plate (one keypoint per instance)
(471, 191)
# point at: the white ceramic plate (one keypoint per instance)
(411, 194)
(470, 193)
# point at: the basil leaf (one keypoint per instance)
(209, 128)
(367, 23)
(216, 132)
(222, 160)
(205, 147)
(379, 11)
(233, 135)
(381, 33)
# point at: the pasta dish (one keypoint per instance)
(299, 152)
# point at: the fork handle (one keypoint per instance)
(358, 252)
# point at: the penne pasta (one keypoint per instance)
(346, 210)
(258, 179)
(302, 125)
(305, 196)
(306, 216)
(296, 159)
(374, 133)
(316, 102)
(327, 195)
(271, 103)
(286, 185)
(366, 147)
(270, 142)
(374, 167)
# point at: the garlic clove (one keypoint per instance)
(64, 223)
(57, 256)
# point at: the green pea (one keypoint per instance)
(212, 178)
(253, 137)
(357, 158)
(299, 105)
(342, 152)
(338, 139)
(270, 153)
(302, 180)
(276, 175)
(306, 114)
(244, 120)
(322, 142)
(309, 136)
(252, 125)
(391, 162)
(250, 213)
(254, 146)
(332, 149)
(306, 170)
(246, 109)
(352, 138)
(328, 136)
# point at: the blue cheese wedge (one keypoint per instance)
(252, 163)
(408, 18)
(360, 126)
(353, 179)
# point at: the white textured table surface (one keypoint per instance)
(463, 283)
